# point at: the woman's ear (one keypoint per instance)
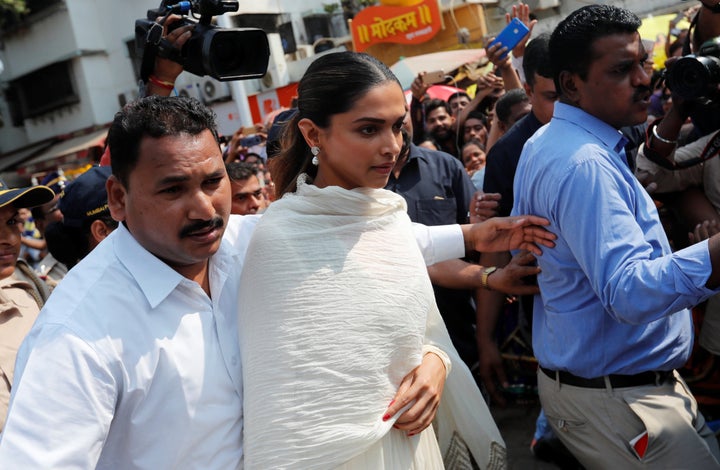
(310, 132)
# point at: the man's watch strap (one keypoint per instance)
(486, 272)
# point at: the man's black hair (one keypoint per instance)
(536, 59)
(241, 171)
(154, 116)
(572, 43)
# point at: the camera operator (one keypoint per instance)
(704, 26)
(699, 204)
(162, 80)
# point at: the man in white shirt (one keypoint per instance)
(134, 362)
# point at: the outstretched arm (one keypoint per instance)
(525, 232)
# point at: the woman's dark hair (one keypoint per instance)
(71, 244)
(153, 116)
(573, 40)
(475, 142)
(331, 85)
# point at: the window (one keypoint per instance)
(46, 89)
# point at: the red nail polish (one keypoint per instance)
(386, 417)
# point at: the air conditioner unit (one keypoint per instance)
(304, 51)
(213, 90)
(186, 84)
(542, 4)
(277, 73)
(189, 91)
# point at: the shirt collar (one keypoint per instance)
(608, 135)
(155, 278)
(11, 282)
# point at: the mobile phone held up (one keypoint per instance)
(511, 35)
(431, 78)
(251, 141)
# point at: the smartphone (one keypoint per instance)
(511, 35)
(431, 78)
(251, 141)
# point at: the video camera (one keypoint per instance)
(696, 77)
(222, 53)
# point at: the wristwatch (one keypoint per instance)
(484, 277)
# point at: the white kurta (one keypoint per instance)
(335, 307)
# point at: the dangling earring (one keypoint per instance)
(315, 150)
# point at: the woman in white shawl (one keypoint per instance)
(344, 352)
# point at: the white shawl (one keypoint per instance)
(335, 306)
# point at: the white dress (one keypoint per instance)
(335, 308)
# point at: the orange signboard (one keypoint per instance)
(405, 25)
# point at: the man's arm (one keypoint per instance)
(417, 114)
(459, 274)
(621, 264)
(166, 71)
(36, 243)
(489, 306)
(62, 404)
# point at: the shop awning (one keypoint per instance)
(66, 151)
(409, 67)
(13, 158)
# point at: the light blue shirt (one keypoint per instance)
(614, 298)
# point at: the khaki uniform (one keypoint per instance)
(22, 295)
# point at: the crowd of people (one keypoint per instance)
(259, 302)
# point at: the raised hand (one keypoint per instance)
(521, 11)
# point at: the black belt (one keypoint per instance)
(657, 377)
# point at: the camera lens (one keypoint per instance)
(237, 53)
(694, 77)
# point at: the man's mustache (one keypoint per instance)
(641, 93)
(204, 225)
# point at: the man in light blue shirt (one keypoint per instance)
(612, 321)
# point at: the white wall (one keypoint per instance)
(47, 41)
(90, 26)
(282, 6)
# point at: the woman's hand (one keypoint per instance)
(523, 232)
(423, 386)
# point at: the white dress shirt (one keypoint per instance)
(132, 366)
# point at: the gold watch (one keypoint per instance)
(485, 274)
